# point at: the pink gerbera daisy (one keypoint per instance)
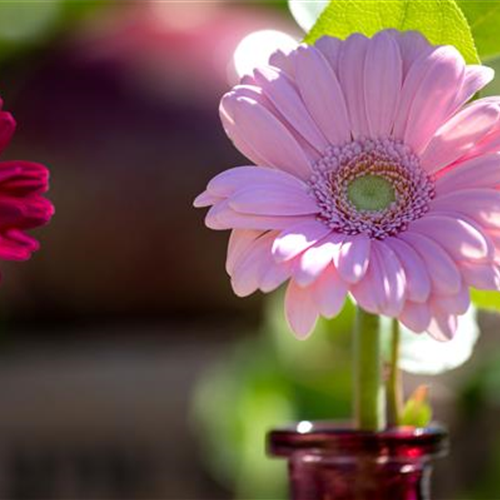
(374, 179)
(22, 205)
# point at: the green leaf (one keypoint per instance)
(441, 21)
(484, 19)
(489, 301)
(417, 411)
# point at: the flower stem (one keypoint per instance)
(369, 389)
(394, 382)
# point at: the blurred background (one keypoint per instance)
(127, 367)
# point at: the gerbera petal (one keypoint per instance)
(351, 77)
(460, 239)
(480, 172)
(369, 292)
(353, 258)
(476, 77)
(206, 199)
(412, 44)
(273, 200)
(274, 275)
(240, 241)
(483, 276)
(443, 325)
(329, 292)
(234, 132)
(383, 75)
(233, 179)
(298, 238)
(455, 304)
(267, 136)
(279, 59)
(280, 90)
(330, 47)
(300, 310)
(394, 281)
(316, 258)
(428, 96)
(482, 205)
(245, 277)
(443, 272)
(415, 316)
(221, 217)
(322, 94)
(459, 134)
(418, 281)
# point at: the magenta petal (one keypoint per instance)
(7, 128)
(301, 312)
(297, 238)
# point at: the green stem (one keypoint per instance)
(369, 390)
(394, 383)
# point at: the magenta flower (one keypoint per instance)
(22, 205)
(374, 178)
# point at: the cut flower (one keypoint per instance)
(373, 178)
(22, 206)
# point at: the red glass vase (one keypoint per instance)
(331, 463)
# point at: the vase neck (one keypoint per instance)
(328, 463)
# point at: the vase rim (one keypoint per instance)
(342, 438)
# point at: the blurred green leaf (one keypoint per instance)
(22, 21)
(489, 301)
(484, 19)
(441, 21)
(417, 411)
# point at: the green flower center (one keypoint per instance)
(371, 193)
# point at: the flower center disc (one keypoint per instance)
(371, 193)
(370, 186)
